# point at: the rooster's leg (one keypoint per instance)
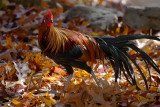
(68, 80)
(94, 77)
(69, 70)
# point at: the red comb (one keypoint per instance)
(49, 18)
(50, 13)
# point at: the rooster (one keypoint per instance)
(73, 49)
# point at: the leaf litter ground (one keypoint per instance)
(30, 79)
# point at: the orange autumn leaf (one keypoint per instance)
(147, 49)
(109, 75)
(48, 63)
(28, 95)
(143, 99)
(132, 52)
(80, 73)
(141, 86)
(47, 99)
(46, 73)
(22, 46)
(59, 71)
(38, 57)
(153, 89)
(85, 23)
(52, 78)
(9, 42)
(125, 31)
(118, 30)
(15, 101)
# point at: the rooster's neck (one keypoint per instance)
(54, 40)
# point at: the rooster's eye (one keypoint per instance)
(51, 21)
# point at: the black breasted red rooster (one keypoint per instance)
(73, 49)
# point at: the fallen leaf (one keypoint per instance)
(28, 95)
(9, 42)
(16, 102)
(7, 54)
(47, 99)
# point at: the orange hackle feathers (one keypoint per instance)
(56, 40)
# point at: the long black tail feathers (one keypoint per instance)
(121, 60)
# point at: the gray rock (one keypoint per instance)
(100, 18)
(144, 3)
(143, 17)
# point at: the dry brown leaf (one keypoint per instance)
(59, 71)
(7, 54)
